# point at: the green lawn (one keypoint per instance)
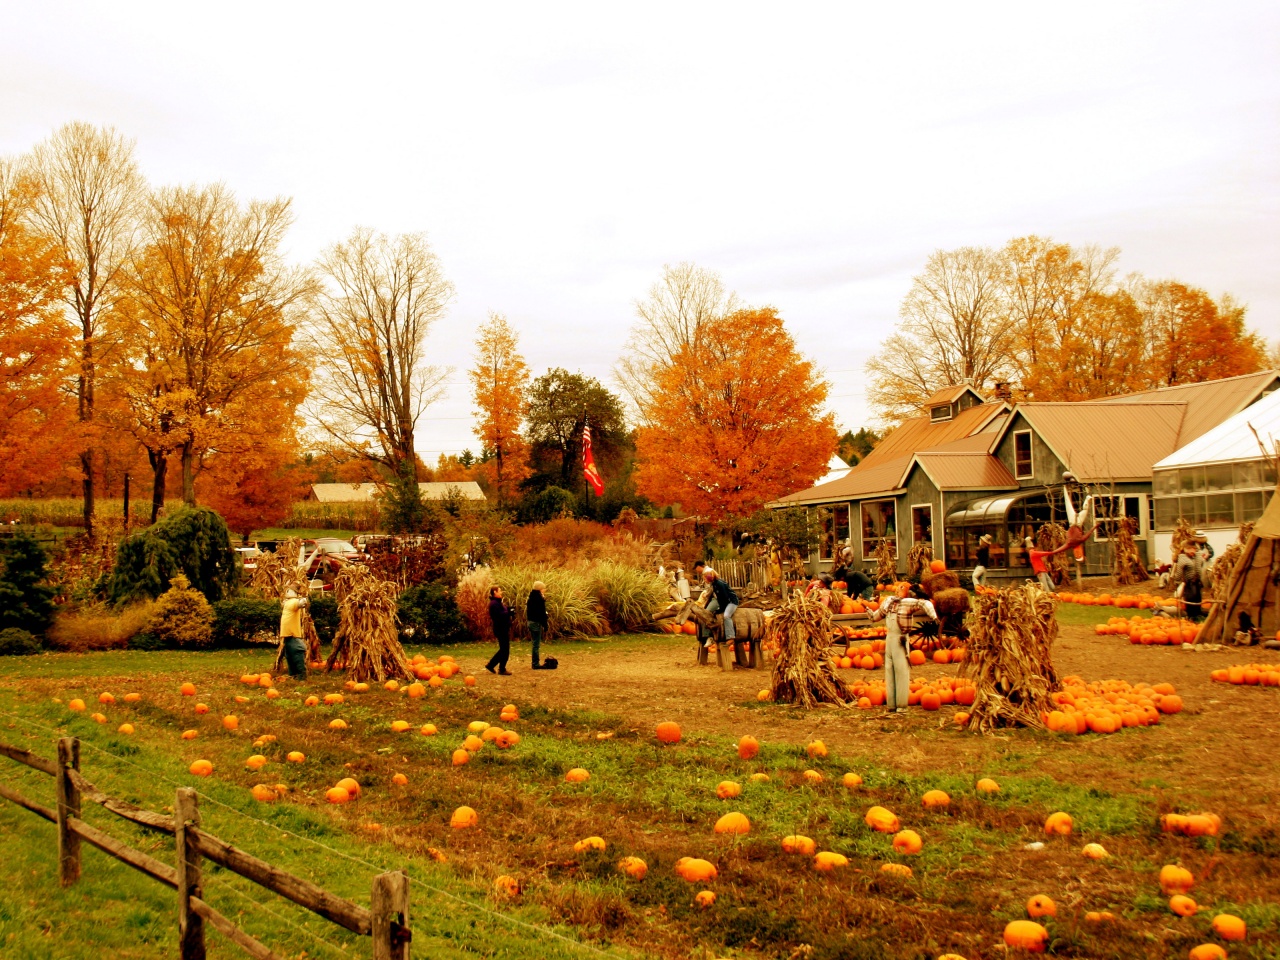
(306, 533)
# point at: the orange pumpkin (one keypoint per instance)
(728, 789)
(987, 785)
(1095, 851)
(759, 778)
(668, 732)
(1229, 927)
(577, 775)
(264, 794)
(695, 870)
(77, 705)
(200, 768)
(816, 748)
(337, 795)
(337, 724)
(190, 734)
(936, 800)
(851, 780)
(795, 843)
(882, 820)
(633, 867)
(132, 697)
(187, 689)
(461, 757)
(813, 776)
(826, 861)
(463, 818)
(589, 843)
(1041, 906)
(907, 842)
(256, 762)
(1026, 935)
(296, 756)
(1175, 879)
(125, 728)
(705, 898)
(896, 869)
(748, 747)
(1207, 951)
(734, 823)
(1183, 905)
(1058, 824)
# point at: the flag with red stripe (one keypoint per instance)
(589, 462)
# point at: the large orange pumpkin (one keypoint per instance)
(633, 867)
(695, 870)
(826, 861)
(463, 818)
(1058, 824)
(1229, 927)
(1183, 905)
(668, 732)
(1207, 951)
(1175, 879)
(795, 843)
(936, 800)
(201, 768)
(590, 843)
(748, 747)
(882, 820)
(1041, 906)
(577, 775)
(907, 842)
(1027, 935)
(896, 870)
(728, 789)
(735, 823)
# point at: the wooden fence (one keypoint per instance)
(386, 920)
(741, 573)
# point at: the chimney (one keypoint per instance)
(1004, 391)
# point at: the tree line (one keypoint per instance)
(145, 330)
(1054, 322)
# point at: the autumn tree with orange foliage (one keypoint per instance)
(36, 419)
(499, 379)
(735, 421)
(1055, 322)
(206, 327)
(255, 487)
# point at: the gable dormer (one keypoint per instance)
(947, 403)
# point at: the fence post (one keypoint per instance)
(68, 806)
(389, 905)
(186, 814)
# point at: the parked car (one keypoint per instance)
(324, 557)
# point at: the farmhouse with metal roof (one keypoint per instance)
(967, 467)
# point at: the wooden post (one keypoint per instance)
(389, 906)
(186, 814)
(68, 807)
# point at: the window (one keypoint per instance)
(922, 524)
(1249, 506)
(1108, 510)
(879, 520)
(834, 522)
(1220, 510)
(1022, 468)
(940, 413)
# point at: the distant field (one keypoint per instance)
(66, 515)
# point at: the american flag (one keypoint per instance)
(589, 462)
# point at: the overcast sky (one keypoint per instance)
(814, 154)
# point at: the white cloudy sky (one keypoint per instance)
(814, 154)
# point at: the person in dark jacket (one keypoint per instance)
(725, 601)
(535, 613)
(500, 614)
(983, 557)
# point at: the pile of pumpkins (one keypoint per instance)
(1249, 674)
(1107, 706)
(1141, 601)
(1149, 630)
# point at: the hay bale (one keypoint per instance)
(934, 583)
(950, 603)
(1010, 658)
(802, 670)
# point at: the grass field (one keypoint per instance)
(658, 803)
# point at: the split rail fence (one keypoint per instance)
(386, 920)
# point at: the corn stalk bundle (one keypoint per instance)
(367, 644)
(1010, 643)
(1181, 534)
(918, 561)
(1051, 536)
(802, 670)
(1225, 564)
(886, 562)
(1128, 566)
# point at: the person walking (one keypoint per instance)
(983, 556)
(500, 614)
(1039, 566)
(725, 601)
(902, 615)
(535, 614)
(292, 636)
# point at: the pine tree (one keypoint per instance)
(26, 601)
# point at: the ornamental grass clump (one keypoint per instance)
(628, 595)
(1010, 658)
(802, 670)
(571, 608)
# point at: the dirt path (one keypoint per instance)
(1220, 749)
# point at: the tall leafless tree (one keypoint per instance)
(90, 195)
(671, 318)
(380, 297)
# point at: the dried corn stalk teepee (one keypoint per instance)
(1010, 658)
(802, 669)
(367, 645)
(275, 575)
(1127, 567)
(918, 560)
(886, 561)
(1051, 536)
